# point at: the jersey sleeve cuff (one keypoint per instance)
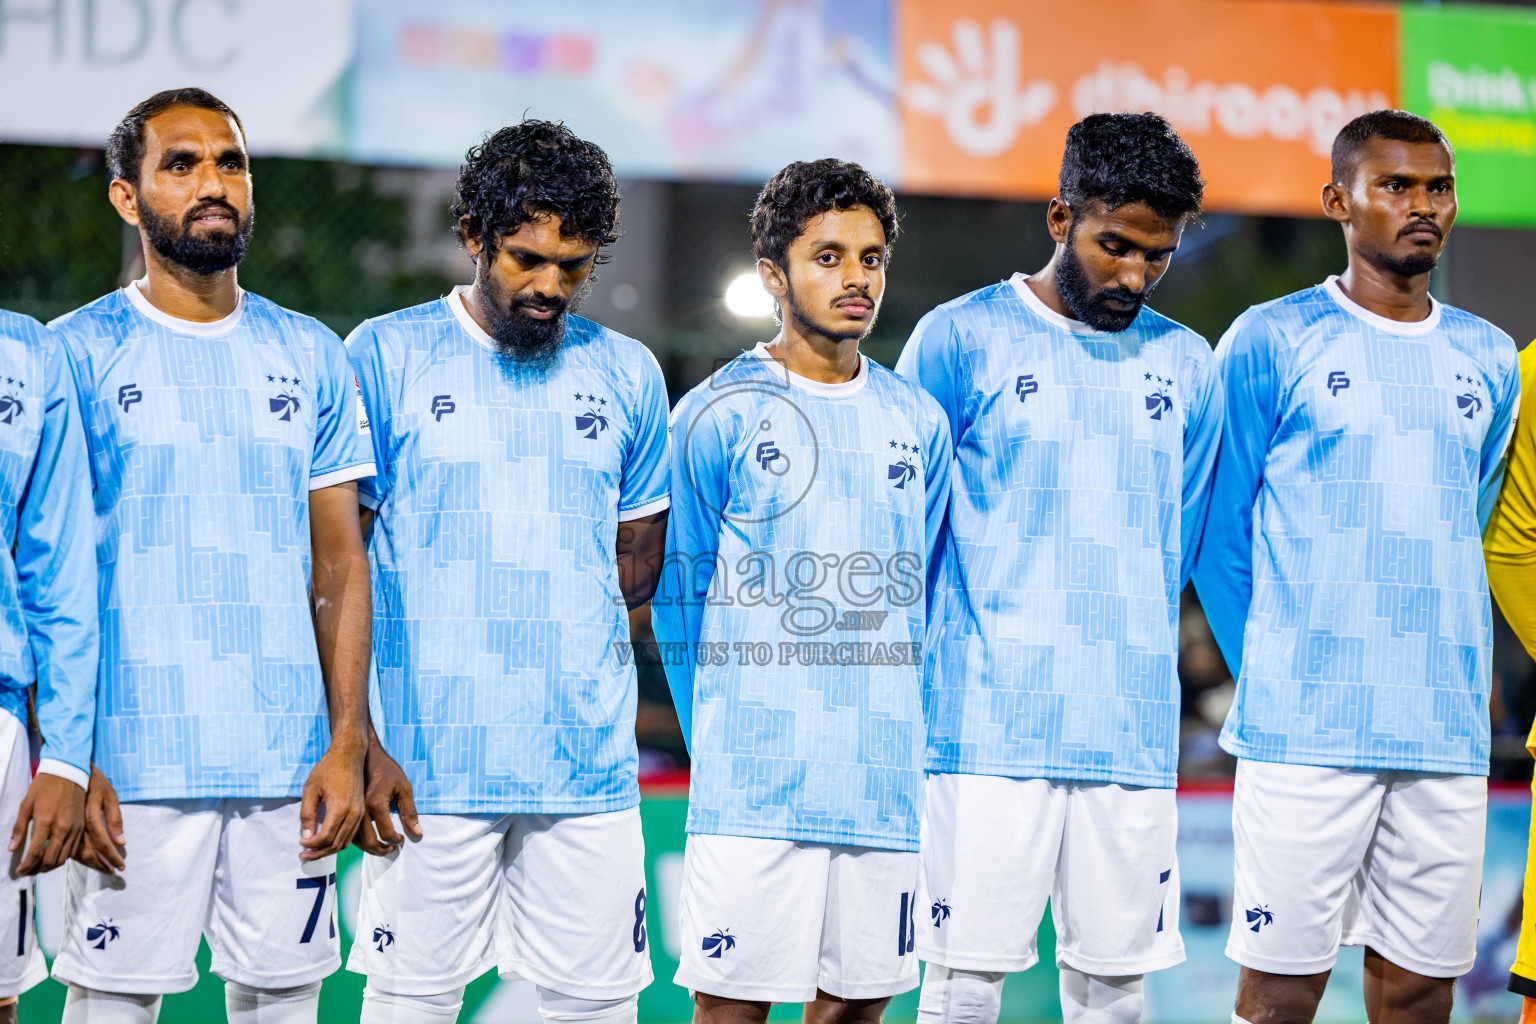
(369, 500)
(64, 770)
(650, 508)
(341, 476)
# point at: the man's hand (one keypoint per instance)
(333, 802)
(55, 808)
(102, 846)
(384, 783)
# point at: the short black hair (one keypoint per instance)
(531, 170)
(1115, 159)
(1398, 125)
(804, 191)
(125, 147)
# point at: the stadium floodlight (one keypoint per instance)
(746, 297)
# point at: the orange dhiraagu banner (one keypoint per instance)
(1258, 88)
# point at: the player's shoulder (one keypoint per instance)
(607, 347)
(1479, 338)
(301, 327)
(891, 389)
(400, 328)
(1160, 329)
(100, 318)
(973, 309)
(23, 328)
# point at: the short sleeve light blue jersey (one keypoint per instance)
(48, 618)
(501, 641)
(206, 440)
(1082, 463)
(791, 609)
(1342, 569)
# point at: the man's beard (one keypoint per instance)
(206, 252)
(1411, 265)
(1087, 305)
(857, 333)
(523, 342)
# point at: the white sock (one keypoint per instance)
(246, 1005)
(562, 1009)
(88, 1006)
(380, 1007)
(959, 997)
(1093, 999)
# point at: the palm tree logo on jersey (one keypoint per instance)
(1158, 401)
(718, 942)
(284, 403)
(1259, 916)
(10, 408)
(591, 421)
(1469, 401)
(940, 912)
(382, 937)
(101, 933)
(901, 472)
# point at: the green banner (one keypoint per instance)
(1472, 70)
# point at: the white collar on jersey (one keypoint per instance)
(816, 387)
(455, 302)
(1381, 323)
(223, 325)
(1020, 284)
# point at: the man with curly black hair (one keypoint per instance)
(1085, 429)
(519, 509)
(819, 477)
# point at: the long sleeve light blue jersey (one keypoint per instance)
(504, 682)
(791, 608)
(1082, 460)
(1342, 570)
(206, 440)
(48, 618)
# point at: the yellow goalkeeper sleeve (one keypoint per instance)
(1509, 543)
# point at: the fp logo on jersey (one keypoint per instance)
(1469, 401)
(442, 405)
(10, 405)
(766, 453)
(1337, 381)
(129, 394)
(1025, 386)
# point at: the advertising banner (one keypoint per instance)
(1258, 89)
(70, 69)
(1472, 71)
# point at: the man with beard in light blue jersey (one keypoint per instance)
(1085, 428)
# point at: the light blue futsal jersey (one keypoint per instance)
(48, 622)
(501, 639)
(1082, 460)
(791, 608)
(206, 440)
(1342, 569)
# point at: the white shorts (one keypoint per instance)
(1329, 856)
(557, 899)
(21, 962)
(773, 920)
(227, 870)
(995, 848)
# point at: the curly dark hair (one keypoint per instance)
(1116, 159)
(1398, 125)
(125, 146)
(804, 191)
(530, 170)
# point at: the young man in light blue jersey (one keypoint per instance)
(808, 485)
(1342, 573)
(48, 628)
(519, 510)
(232, 708)
(1085, 429)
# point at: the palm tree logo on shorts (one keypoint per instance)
(382, 937)
(1260, 916)
(719, 942)
(940, 912)
(101, 933)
